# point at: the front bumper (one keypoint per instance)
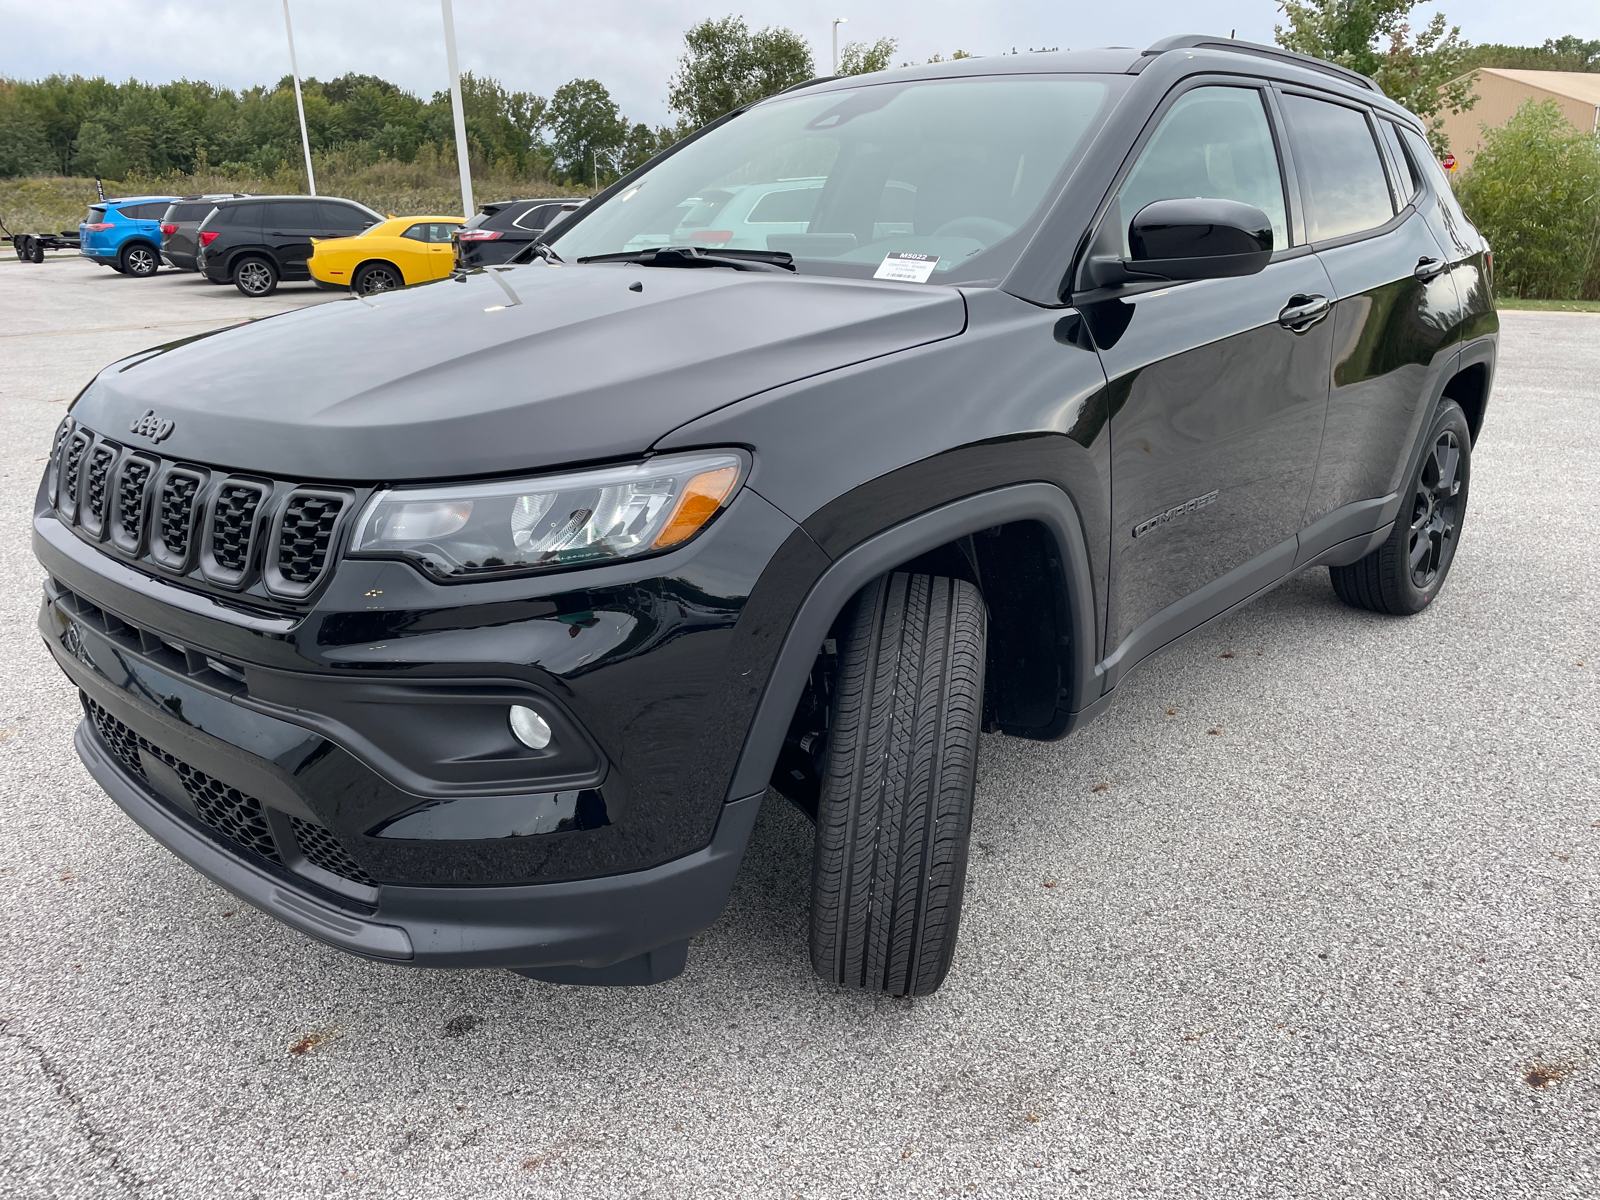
(615, 929)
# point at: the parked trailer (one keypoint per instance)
(30, 247)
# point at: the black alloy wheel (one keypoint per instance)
(377, 277)
(139, 261)
(1404, 575)
(255, 277)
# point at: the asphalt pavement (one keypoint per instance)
(1310, 912)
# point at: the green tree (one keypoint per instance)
(585, 129)
(1534, 192)
(725, 66)
(1425, 73)
(858, 58)
(1568, 53)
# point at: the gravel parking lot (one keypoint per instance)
(1310, 912)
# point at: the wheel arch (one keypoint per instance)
(1039, 522)
(1469, 386)
(377, 262)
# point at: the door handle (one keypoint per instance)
(1428, 268)
(1303, 312)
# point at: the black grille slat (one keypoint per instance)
(306, 535)
(230, 812)
(176, 515)
(93, 511)
(131, 489)
(62, 430)
(233, 523)
(323, 850)
(72, 469)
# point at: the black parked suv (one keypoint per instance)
(468, 626)
(498, 231)
(255, 242)
(180, 227)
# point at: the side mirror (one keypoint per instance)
(1199, 239)
(1178, 240)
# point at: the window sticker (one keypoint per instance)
(907, 266)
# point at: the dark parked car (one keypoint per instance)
(181, 223)
(255, 242)
(498, 231)
(468, 626)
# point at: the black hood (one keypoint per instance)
(506, 370)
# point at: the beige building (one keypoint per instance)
(1501, 92)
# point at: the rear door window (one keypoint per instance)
(240, 216)
(1215, 143)
(1407, 182)
(288, 215)
(342, 218)
(1341, 173)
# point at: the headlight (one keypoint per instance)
(478, 530)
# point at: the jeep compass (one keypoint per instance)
(468, 626)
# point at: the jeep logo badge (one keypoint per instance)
(147, 424)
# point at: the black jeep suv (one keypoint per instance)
(467, 626)
(254, 242)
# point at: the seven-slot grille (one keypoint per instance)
(223, 531)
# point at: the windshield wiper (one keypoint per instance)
(694, 256)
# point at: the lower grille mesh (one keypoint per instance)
(324, 850)
(229, 811)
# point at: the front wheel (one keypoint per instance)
(377, 277)
(140, 261)
(896, 809)
(255, 277)
(1404, 575)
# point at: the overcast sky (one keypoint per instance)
(631, 47)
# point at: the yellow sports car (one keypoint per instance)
(393, 253)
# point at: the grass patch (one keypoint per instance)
(1504, 302)
(427, 187)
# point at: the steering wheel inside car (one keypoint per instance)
(980, 229)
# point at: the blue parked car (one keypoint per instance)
(125, 234)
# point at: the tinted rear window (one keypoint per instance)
(190, 212)
(95, 216)
(238, 216)
(291, 214)
(342, 218)
(1340, 170)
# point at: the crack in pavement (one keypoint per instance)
(99, 1141)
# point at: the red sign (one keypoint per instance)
(1448, 162)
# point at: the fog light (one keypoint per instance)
(532, 730)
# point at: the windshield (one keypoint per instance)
(925, 181)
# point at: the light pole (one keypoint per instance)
(455, 107)
(294, 68)
(837, 21)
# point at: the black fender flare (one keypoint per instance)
(853, 570)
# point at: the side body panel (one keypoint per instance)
(1216, 416)
(1394, 342)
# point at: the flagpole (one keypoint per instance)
(455, 106)
(299, 104)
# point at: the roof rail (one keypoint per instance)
(795, 87)
(1200, 41)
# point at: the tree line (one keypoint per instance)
(71, 125)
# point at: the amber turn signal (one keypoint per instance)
(701, 498)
